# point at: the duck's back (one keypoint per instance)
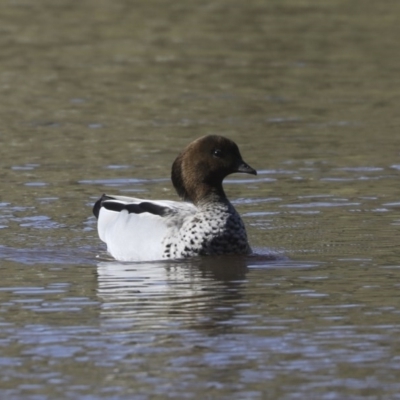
(136, 229)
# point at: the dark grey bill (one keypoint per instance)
(243, 167)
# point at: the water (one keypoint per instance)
(100, 97)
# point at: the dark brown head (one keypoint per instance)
(198, 172)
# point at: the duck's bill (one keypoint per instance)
(243, 167)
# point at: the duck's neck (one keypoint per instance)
(205, 194)
(195, 188)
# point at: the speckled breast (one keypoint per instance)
(211, 231)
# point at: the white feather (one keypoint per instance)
(140, 237)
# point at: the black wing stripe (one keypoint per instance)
(146, 207)
(153, 208)
(108, 203)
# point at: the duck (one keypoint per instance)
(203, 223)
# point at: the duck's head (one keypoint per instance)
(198, 172)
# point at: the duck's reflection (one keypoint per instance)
(201, 292)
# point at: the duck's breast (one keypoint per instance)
(217, 229)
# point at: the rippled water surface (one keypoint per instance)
(100, 97)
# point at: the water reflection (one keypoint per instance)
(199, 293)
(153, 294)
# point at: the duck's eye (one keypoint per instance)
(217, 153)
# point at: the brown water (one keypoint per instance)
(100, 96)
